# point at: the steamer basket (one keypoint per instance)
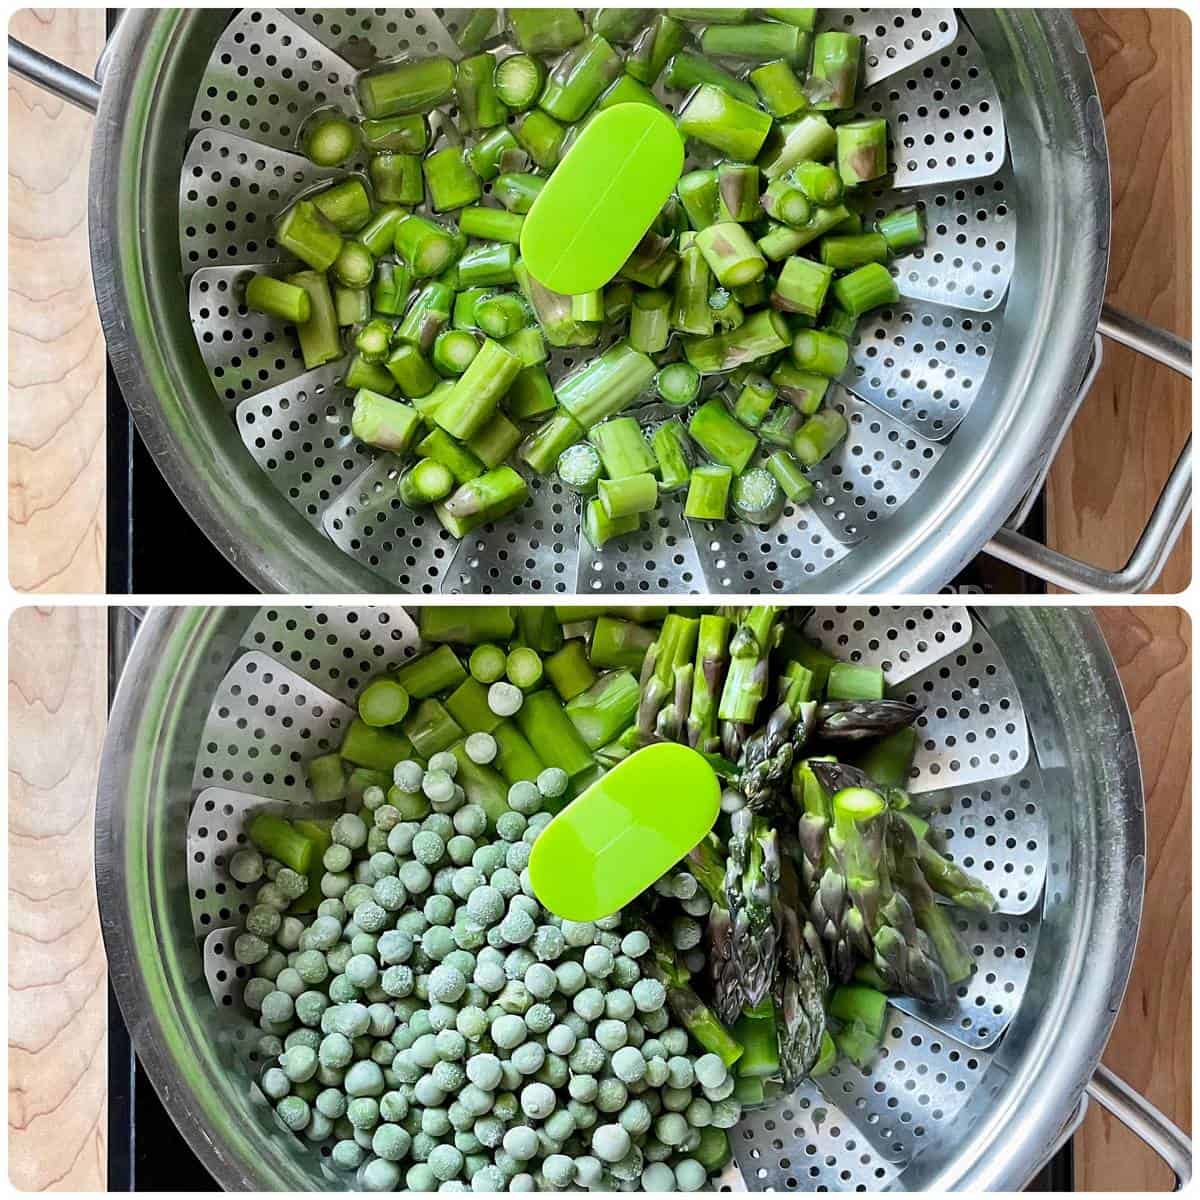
(957, 396)
(1028, 759)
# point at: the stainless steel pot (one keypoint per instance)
(984, 1110)
(872, 531)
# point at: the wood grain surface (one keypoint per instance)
(57, 981)
(1129, 431)
(56, 350)
(1151, 1047)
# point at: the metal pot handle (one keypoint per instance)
(1171, 510)
(62, 81)
(1139, 1116)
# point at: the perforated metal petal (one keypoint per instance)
(894, 38)
(915, 1087)
(338, 649)
(983, 1006)
(265, 723)
(409, 549)
(299, 433)
(970, 244)
(943, 115)
(216, 829)
(739, 558)
(364, 35)
(661, 557)
(807, 1143)
(973, 727)
(266, 75)
(225, 975)
(878, 466)
(922, 364)
(898, 639)
(997, 831)
(533, 550)
(230, 190)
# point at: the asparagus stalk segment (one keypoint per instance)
(478, 391)
(833, 78)
(320, 339)
(670, 445)
(722, 438)
(579, 78)
(418, 86)
(487, 498)
(711, 115)
(708, 493)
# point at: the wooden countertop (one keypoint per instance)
(56, 966)
(1108, 473)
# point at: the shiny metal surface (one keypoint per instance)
(1034, 356)
(54, 77)
(979, 1095)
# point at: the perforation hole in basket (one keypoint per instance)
(338, 649)
(364, 35)
(534, 549)
(899, 640)
(878, 466)
(225, 975)
(408, 548)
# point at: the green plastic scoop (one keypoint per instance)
(601, 199)
(615, 840)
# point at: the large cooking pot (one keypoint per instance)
(978, 1098)
(902, 509)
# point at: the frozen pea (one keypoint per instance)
(476, 1100)
(524, 798)
(383, 864)
(445, 1162)
(437, 941)
(675, 1099)
(671, 1128)
(658, 1177)
(400, 838)
(486, 905)
(537, 1101)
(722, 1091)
(249, 949)
(395, 946)
(508, 1031)
(362, 971)
(690, 1176)
(521, 1142)
(548, 943)
(504, 699)
(429, 1093)
(679, 1072)
(390, 893)
(488, 1179)
(629, 1065)
(588, 1057)
(710, 1071)
(466, 880)
(588, 1170)
(612, 1035)
(649, 995)
(571, 978)
(510, 826)
(483, 1070)
(480, 748)
(407, 776)
(583, 1087)
(517, 857)
(363, 1112)
(438, 787)
(561, 1040)
(386, 819)
(559, 1125)
(528, 1057)
(294, 1112)
(540, 1018)
(275, 1083)
(610, 1143)
(443, 760)
(471, 1022)
(517, 927)
(391, 1142)
(428, 848)
(460, 848)
(364, 1078)
(611, 1095)
(540, 980)
(349, 830)
(451, 1045)
(299, 1063)
(578, 933)
(489, 976)
(552, 782)
(278, 1007)
(656, 1072)
(559, 1170)
(589, 1003)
